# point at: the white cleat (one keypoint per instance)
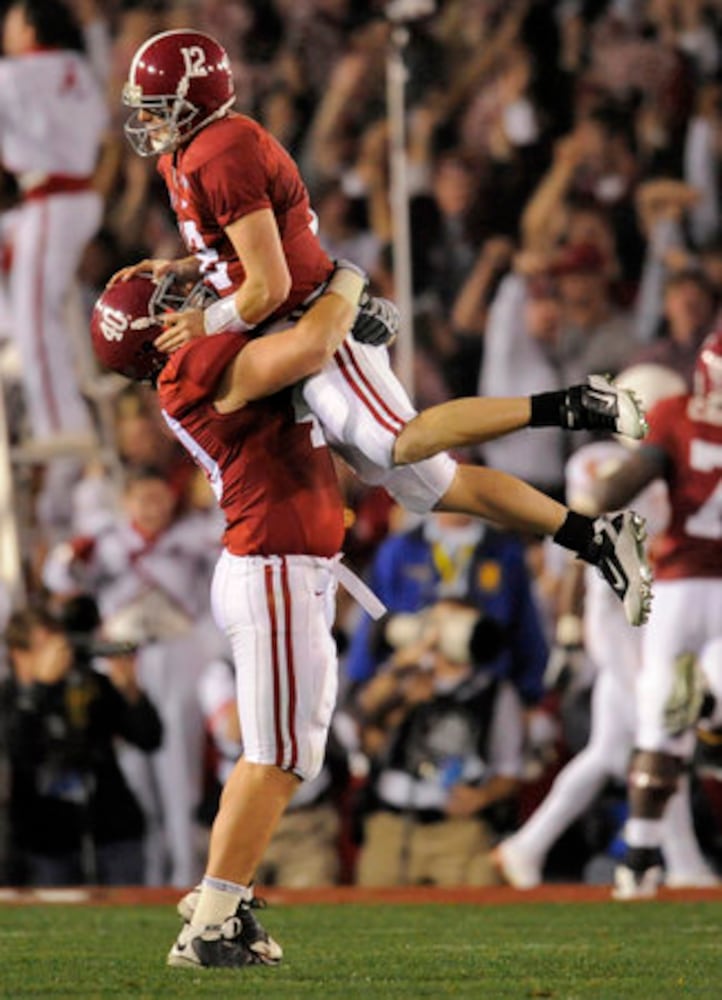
(624, 404)
(623, 562)
(516, 868)
(600, 405)
(629, 884)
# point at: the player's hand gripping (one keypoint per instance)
(185, 269)
(179, 329)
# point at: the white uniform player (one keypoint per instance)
(154, 592)
(52, 119)
(614, 650)
(684, 448)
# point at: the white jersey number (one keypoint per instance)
(194, 60)
(706, 522)
(211, 264)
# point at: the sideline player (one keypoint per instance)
(244, 214)
(52, 119)
(614, 649)
(684, 448)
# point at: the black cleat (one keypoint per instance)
(256, 938)
(213, 947)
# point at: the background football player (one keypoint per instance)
(684, 448)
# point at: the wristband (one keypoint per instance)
(348, 283)
(222, 315)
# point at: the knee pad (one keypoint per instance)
(684, 702)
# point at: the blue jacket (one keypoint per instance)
(403, 575)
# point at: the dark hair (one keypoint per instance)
(142, 473)
(54, 22)
(21, 623)
(690, 274)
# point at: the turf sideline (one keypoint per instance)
(493, 896)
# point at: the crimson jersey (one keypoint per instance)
(275, 483)
(691, 546)
(231, 168)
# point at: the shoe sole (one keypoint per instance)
(179, 960)
(631, 421)
(638, 598)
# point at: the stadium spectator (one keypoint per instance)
(73, 818)
(445, 736)
(451, 555)
(690, 307)
(150, 571)
(520, 344)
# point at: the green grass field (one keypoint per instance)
(640, 951)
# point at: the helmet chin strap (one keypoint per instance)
(214, 116)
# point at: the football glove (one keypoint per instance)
(377, 322)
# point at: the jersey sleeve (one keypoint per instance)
(235, 179)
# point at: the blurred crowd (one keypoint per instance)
(565, 172)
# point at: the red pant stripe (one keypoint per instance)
(356, 378)
(291, 673)
(273, 615)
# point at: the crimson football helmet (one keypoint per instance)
(183, 78)
(126, 319)
(708, 378)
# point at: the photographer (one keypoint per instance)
(446, 737)
(73, 818)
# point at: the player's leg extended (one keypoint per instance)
(503, 499)
(474, 420)
(612, 544)
(367, 417)
(362, 405)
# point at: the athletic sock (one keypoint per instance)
(547, 409)
(218, 900)
(577, 533)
